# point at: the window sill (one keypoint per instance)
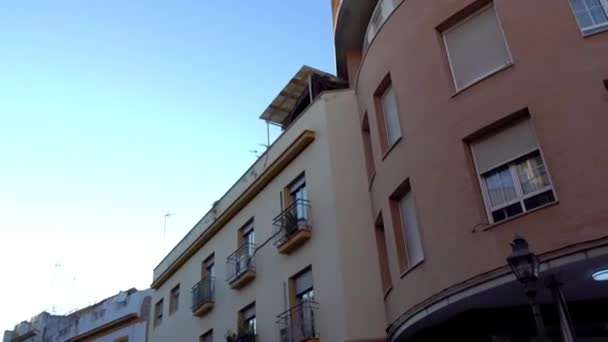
(483, 78)
(593, 32)
(410, 269)
(388, 150)
(387, 292)
(494, 225)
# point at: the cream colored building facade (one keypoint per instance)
(312, 249)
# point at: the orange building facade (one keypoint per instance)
(482, 120)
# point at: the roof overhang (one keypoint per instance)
(288, 98)
(350, 26)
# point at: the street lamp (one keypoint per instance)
(526, 267)
(524, 264)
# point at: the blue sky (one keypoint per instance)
(114, 112)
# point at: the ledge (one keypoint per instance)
(494, 225)
(483, 78)
(388, 150)
(410, 269)
(595, 31)
(242, 279)
(295, 241)
(203, 309)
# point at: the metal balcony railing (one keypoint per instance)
(240, 262)
(299, 323)
(383, 9)
(203, 292)
(291, 220)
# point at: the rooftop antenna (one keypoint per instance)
(55, 267)
(168, 214)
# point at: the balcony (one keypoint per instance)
(203, 296)
(298, 324)
(241, 266)
(293, 226)
(383, 10)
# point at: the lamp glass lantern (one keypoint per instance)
(524, 264)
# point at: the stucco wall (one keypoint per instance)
(557, 74)
(332, 275)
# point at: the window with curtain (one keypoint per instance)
(513, 175)
(391, 116)
(591, 15)
(476, 48)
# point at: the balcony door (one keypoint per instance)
(247, 248)
(303, 316)
(299, 197)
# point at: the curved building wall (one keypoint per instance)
(556, 76)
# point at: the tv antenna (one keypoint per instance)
(168, 214)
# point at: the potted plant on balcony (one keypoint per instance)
(243, 334)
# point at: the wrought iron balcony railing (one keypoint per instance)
(203, 296)
(293, 220)
(241, 266)
(299, 323)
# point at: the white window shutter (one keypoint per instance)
(476, 48)
(411, 230)
(391, 116)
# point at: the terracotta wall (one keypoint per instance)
(557, 74)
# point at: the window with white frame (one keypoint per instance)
(391, 116)
(476, 47)
(512, 172)
(591, 15)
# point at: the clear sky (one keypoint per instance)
(114, 112)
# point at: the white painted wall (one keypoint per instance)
(55, 328)
(350, 301)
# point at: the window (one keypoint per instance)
(242, 259)
(367, 148)
(382, 254)
(476, 47)
(517, 187)
(248, 237)
(247, 317)
(302, 313)
(302, 286)
(512, 172)
(411, 231)
(174, 300)
(391, 116)
(405, 226)
(591, 15)
(297, 193)
(208, 267)
(206, 337)
(158, 313)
